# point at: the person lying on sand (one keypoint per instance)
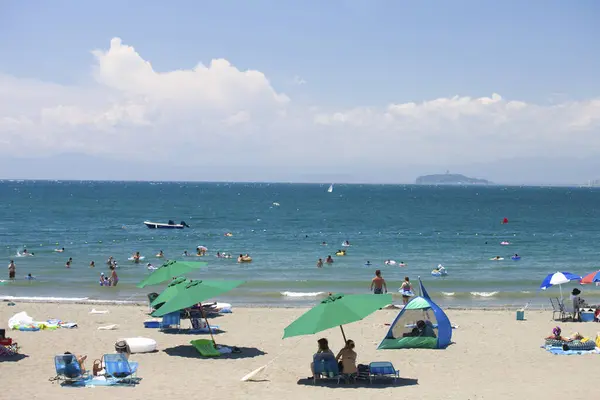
(556, 335)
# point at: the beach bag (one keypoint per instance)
(363, 372)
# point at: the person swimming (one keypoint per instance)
(368, 263)
(92, 264)
(30, 277)
(151, 267)
(329, 260)
(185, 253)
(160, 254)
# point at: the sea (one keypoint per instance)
(283, 227)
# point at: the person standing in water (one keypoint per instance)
(378, 283)
(69, 262)
(320, 263)
(114, 279)
(12, 270)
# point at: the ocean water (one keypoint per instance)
(553, 229)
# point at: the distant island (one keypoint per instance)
(450, 179)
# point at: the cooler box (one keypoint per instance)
(151, 324)
(587, 317)
(521, 315)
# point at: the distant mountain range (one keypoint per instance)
(450, 179)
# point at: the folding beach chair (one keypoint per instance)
(205, 347)
(68, 369)
(382, 369)
(325, 365)
(117, 367)
(557, 309)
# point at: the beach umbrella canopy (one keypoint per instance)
(194, 292)
(591, 278)
(558, 278)
(170, 270)
(336, 310)
(170, 291)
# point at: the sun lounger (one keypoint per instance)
(382, 369)
(325, 365)
(205, 347)
(68, 369)
(117, 367)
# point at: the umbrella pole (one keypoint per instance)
(208, 326)
(343, 334)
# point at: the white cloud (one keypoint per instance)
(216, 113)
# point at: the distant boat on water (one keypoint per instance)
(330, 188)
(170, 225)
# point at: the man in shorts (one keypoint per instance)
(378, 285)
(12, 270)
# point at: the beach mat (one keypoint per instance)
(101, 381)
(558, 351)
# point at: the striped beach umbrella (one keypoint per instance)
(591, 278)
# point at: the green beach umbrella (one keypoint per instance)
(336, 310)
(170, 291)
(194, 292)
(170, 270)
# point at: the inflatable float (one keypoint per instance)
(346, 244)
(439, 271)
(245, 259)
(140, 345)
(406, 293)
(497, 259)
(516, 258)
(389, 262)
(340, 253)
(504, 243)
(140, 258)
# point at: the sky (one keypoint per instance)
(355, 91)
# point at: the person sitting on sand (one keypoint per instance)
(329, 260)
(556, 335)
(322, 352)
(347, 358)
(79, 360)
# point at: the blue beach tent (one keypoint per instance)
(404, 334)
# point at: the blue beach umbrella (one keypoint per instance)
(558, 278)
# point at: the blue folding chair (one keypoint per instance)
(68, 369)
(325, 364)
(117, 367)
(382, 369)
(171, 319)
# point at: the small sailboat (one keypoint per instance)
(330, 188)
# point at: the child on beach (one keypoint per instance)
(320, 263)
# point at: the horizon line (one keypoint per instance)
(571, 185)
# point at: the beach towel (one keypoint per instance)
(205, 348)
(558, 351)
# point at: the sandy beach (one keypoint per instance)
(493, 357)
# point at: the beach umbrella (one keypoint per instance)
(194, 292)
(170, 270)
(558, 278)
(170, 291)
(336, 310)
(591, 278)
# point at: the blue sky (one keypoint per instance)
(350, 53)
